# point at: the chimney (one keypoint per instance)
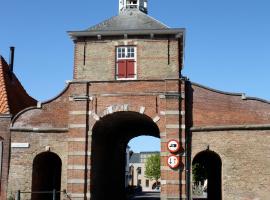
(11, 60)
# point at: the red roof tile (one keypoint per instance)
(4, 108)
(13, 97)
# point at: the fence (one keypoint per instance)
(53, 193)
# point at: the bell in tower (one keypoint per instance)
(133, 4)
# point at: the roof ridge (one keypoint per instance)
(165, 26)
(129, 20)
(101, 23)
(4, 105)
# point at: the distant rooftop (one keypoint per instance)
(137, 157)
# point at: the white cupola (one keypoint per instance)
(133, 4)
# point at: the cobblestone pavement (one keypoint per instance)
(147, 196)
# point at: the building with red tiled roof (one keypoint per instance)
(13, 99)
(4, 108)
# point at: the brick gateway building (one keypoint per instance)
(126, 84)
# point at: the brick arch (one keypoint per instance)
(110, 136)
(210, 166)
(46, 175)
(125, 108)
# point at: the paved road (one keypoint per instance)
(147, 196)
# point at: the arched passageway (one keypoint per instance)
(206, 168)
(46, 176)
(110, 136)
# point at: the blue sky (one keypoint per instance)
(227, 42)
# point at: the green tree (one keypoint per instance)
(199, 173)
(152, 167)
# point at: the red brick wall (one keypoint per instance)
(5, 137)
(203, 106)
(15, 99)
(215, 118)
(65, 111)
(52, 113)
(210, 107)
(95, 60)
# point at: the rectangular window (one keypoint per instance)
(147, 183)
(139, 170)
(126, 63)
(139, 182)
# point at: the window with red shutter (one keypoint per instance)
(126, 62)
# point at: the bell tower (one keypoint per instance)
(133, 4)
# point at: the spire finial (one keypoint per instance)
(133, 4)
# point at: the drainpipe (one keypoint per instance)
(188, 118)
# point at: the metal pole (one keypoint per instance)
(18, 196)
(54, 193)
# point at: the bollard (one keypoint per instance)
(54, 194)
(18, 195)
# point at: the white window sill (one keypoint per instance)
(123, 79)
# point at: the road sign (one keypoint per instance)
(173, 146)
(173, 161)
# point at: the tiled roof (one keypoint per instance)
(129, 20)
(135, 158)
(13, 97)
(4, 107)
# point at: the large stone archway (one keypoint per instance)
(110, 136)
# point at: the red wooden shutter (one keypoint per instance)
(130, 68)
(122, 71)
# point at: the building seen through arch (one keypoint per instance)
(127, 82)
(137, 176)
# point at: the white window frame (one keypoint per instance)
(126, 58)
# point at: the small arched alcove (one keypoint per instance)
(110, 136)
(46, 176)
(206, 172)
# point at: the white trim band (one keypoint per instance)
(79, 153)
(78, 167)
(76, 139)
(77, 125)
(173, 126)
(19, 145)
(172, 112)
(77, 181)
(79, 195)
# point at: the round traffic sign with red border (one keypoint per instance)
(173, 146)
(173, 161)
